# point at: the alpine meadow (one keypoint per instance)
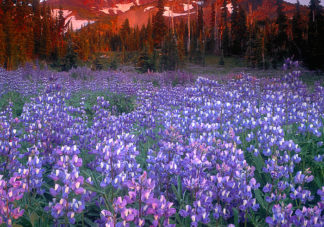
(161, 113)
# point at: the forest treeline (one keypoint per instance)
(29, 32)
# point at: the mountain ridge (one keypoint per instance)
(138, 12)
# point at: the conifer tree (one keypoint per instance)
(315, 53)
(146, 61)
(224, 30)
(125, 32)
(70, 59)
(189, 27)
(10, 35)
(238, 29)
(212, 33)
(124, 36)
(37, 27)
(2, 38)
(2, 46)
(169, 59)
(200, 37)
(281, 36)
(297, 32)
(61, 29)
(159, 27)
(255, 48)
(45, 48)
(149, 35)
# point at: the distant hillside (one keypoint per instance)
(82, 12)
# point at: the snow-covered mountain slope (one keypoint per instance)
(82, 12)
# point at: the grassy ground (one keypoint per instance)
(212, 68)
(231, 65)
(234, 65)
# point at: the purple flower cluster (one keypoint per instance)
(219, 179)
(286, 216)
(216, 151)
(139, 206)
(32, 173)
(9, 142)
(49, 122)
(68, 191)
(115, 160)
(165, 164)
(10, 192)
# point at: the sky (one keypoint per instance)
(304, 2)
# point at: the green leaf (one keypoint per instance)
(259, 198)
(177, 216)
(236, 217)
(179, 186)
(89, 222)
(33, 218)
(175, 191)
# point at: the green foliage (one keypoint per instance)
(146, 61)
(221, 61)
(169, 59)
(17, 100)
(74, 75)
(113, 64)
(156, 83)
(119, 103)
(315, 50)
(99, 63)
(159, 26)
(70, 60)
(123, 103)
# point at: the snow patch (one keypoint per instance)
(77, 23)
(66, 13)
(105, 10)
(229, 7)
(169, 13)
(119, 7)
(148, 8)
(186, 6)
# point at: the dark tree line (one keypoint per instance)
(28, 31)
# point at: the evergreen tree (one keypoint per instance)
(10, 35)
(37, 27)
(124, 36)
(2, 38)
(238, 29)
(125, 32)
(149, 35)
(315, 53)
(146, 61)
(281, 36)
(200, 20)
(297, 32)
(224, 30)
(169, 59)
(70, 59)
(212, 32)
(45, 43)
(200, 48)
(2, 46)
(188, 28)
(159, 27)
(61, 27)
(255, 46)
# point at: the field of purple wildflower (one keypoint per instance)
(89, 148)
